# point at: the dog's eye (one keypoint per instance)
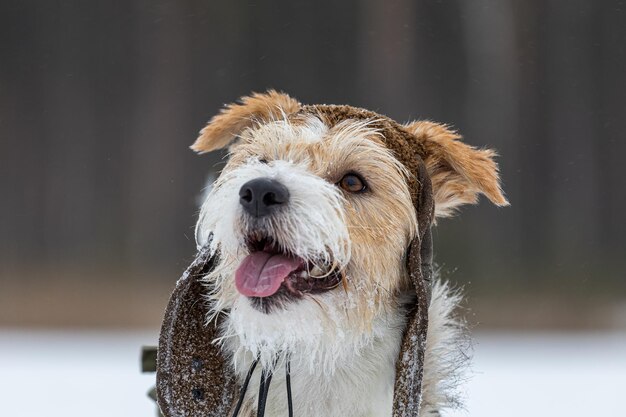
(353, 183)
(263, 160)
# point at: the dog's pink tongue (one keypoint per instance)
(261, 273)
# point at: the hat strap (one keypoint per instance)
(244, 388)
(264, 387)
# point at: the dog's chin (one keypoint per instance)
(271, 277)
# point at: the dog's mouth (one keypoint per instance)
(269, 270)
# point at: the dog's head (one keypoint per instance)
(317, 207)
(315, 240)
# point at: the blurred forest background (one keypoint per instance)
(99, 101)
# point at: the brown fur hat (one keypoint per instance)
(194, 377)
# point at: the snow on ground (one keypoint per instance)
(96, 374)
(547, 374)
(72, 374)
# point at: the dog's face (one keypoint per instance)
(302, 208)
(310, 222)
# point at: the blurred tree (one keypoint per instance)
(100, 100)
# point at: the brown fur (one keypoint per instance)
(234, 118)
(361, 140)
(459, 172)
(376, 225)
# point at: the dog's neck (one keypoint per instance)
(351, 375)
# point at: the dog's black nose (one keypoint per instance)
(262, 196)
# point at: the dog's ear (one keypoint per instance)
(459, 172)
(223, 128)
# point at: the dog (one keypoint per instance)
(309, 229)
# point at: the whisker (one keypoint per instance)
(220, 339)
(344, 281)
(319, 304)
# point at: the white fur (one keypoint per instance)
(335, 370)
(317, 327)
(338, 368)
(448, 351)
(280, 129)
(352, 372)
(314, 228)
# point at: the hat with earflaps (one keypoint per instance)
(194, 376)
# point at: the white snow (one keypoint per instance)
(96, 374)
(74, 373)
(547, 374)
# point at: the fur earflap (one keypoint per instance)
(257, 108)
(459, 172)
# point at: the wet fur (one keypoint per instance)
(343, 344)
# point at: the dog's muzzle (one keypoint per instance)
(261, 197)
(270, 275)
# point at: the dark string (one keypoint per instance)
(244, 388)
(266, 378)
(264, 387)
(288, 381)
